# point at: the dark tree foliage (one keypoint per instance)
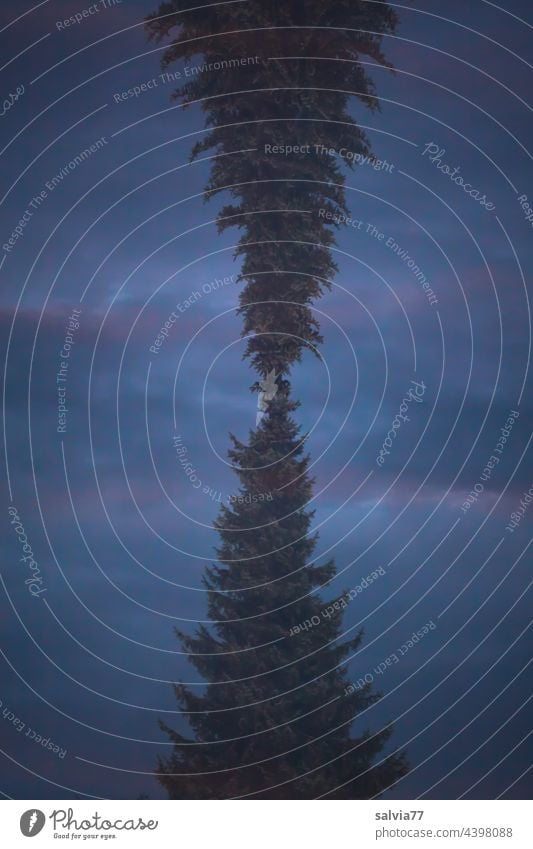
(309, 63)
(277, 718)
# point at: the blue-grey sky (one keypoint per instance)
(120, 535)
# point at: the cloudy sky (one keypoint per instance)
(119, 534)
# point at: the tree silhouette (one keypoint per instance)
(276, 717)
(285, 205)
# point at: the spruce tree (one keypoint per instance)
(277, 716)
(284, 205)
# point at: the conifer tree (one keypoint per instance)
(277, 718)
(272, 75)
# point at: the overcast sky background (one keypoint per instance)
(121, 536)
